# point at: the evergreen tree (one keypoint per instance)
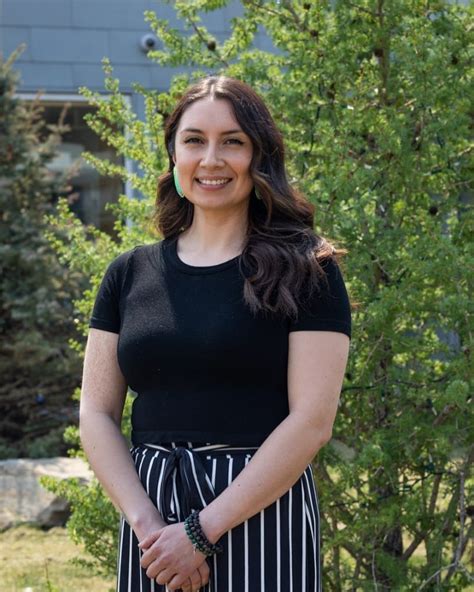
(37, 365)
(374, 100)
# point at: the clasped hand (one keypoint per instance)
(169, 558)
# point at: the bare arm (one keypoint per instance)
(316, 365)
(102, 399)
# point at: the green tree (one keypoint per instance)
(374, 100)
(38, 368)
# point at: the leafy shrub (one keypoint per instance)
(374, 101)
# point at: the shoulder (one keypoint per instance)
(325, 304)
(333, 273)
(127, 266)
(121, 262)
(327, 282)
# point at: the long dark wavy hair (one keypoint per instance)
(282, 254)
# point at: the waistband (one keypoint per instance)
(184, 485)
(197, 447)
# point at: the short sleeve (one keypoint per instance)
(328, 309)
(106, 311)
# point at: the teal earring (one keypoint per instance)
(257, 193)
(178, 187)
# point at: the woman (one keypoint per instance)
(234, 332)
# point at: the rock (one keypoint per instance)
(342, 450)
(22, 499)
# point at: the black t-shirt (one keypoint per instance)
(204, 368)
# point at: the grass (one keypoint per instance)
(33, 560)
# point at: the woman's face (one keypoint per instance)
(212, 155)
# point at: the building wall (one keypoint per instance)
(67, 39)
(65, 43)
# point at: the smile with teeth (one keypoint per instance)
(214, 181)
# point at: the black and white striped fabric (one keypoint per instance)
(277, 550)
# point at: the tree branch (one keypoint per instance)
(362, 9)
(462, 541)
(205, 41)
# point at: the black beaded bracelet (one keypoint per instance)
(193, 529)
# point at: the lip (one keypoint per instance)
(212, 187)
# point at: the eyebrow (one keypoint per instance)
(198, 131)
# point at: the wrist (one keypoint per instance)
(144, 524)
(211, 526)
(195, 532)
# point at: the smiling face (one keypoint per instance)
(212, 155)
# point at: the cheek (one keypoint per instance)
(243, 167)
(185, 163)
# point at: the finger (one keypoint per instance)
(178, 583)
(148, 558)
(146, 542)
(155, 568)
(185, 586)
(150, 555)
(204, 571)
(149, 540)
(165, 576)
(196, 580)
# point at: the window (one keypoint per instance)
(90, 191)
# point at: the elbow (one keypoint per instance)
(92, 420)
(319, 438)
(87, 425)
(83, 423)
(318, 432)
(321, 434)
(325, 436)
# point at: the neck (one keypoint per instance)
(213, 237)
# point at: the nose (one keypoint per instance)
(211, 157)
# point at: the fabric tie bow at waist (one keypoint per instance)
(183, 473)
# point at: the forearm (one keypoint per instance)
(273, 470)
(111, 461)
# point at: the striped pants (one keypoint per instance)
(276, 550)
